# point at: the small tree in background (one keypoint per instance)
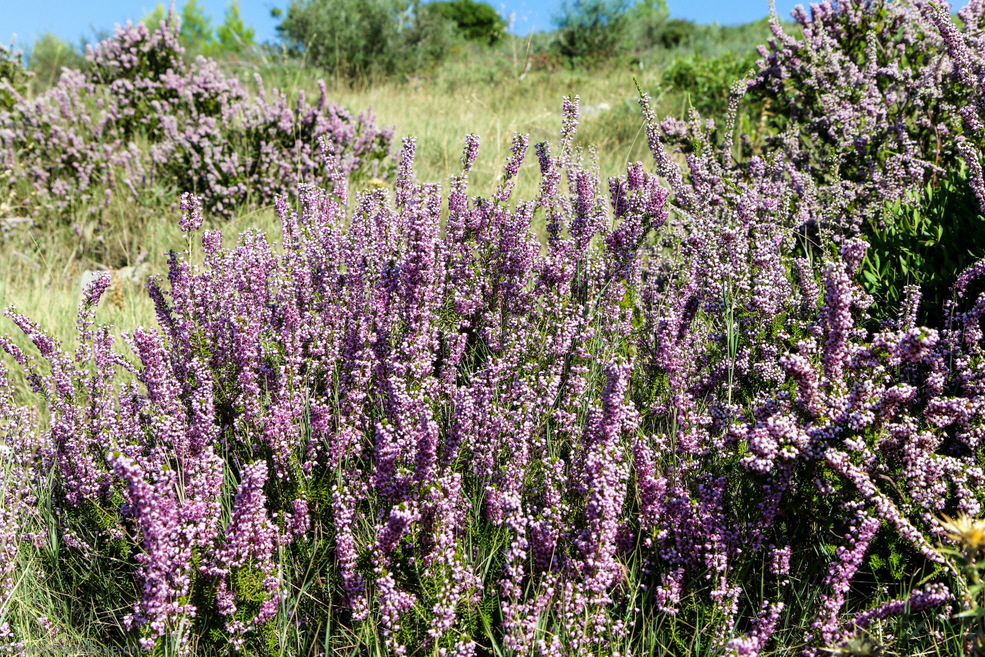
(476, 21)
(590, 31)
(196, 27)
(347, 37)
(234, 35)
(48, 56)
(197, 35)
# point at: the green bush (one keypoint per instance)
(591, 31)
(476, 21)
(926, 242)
(347, 36)
(359, 38)
(48, 56)
(707, 80)
(675, 32)
(650, 26)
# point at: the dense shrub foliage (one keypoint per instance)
(139, 115)
(675, 425)
(372, 38)
(864, 100)
(869, 103)
(707, 81)
(926, 241)
(866, 104)
(477, 21)
(590, 31)
(350, 37)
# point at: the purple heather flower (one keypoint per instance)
(191, 207)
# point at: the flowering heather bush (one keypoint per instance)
(868, 106)
(966, 49)
(869, 92)
(139, 115)
(666, 426)
(13, 77)
(446, 440)
(865, 102)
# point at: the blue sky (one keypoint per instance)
(75, 19)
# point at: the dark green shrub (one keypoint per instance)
(591, 31)
(926, 242)
(650, 26)
(357, 38)
(476, 21)
(707, 80)
(675, 32)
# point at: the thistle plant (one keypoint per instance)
(966, 538)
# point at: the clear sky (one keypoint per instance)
(73, 20)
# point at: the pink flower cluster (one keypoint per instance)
(452, 434)
(140, 116)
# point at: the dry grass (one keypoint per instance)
(42, 271)
(439, 112)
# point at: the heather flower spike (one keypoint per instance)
(191, 208)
